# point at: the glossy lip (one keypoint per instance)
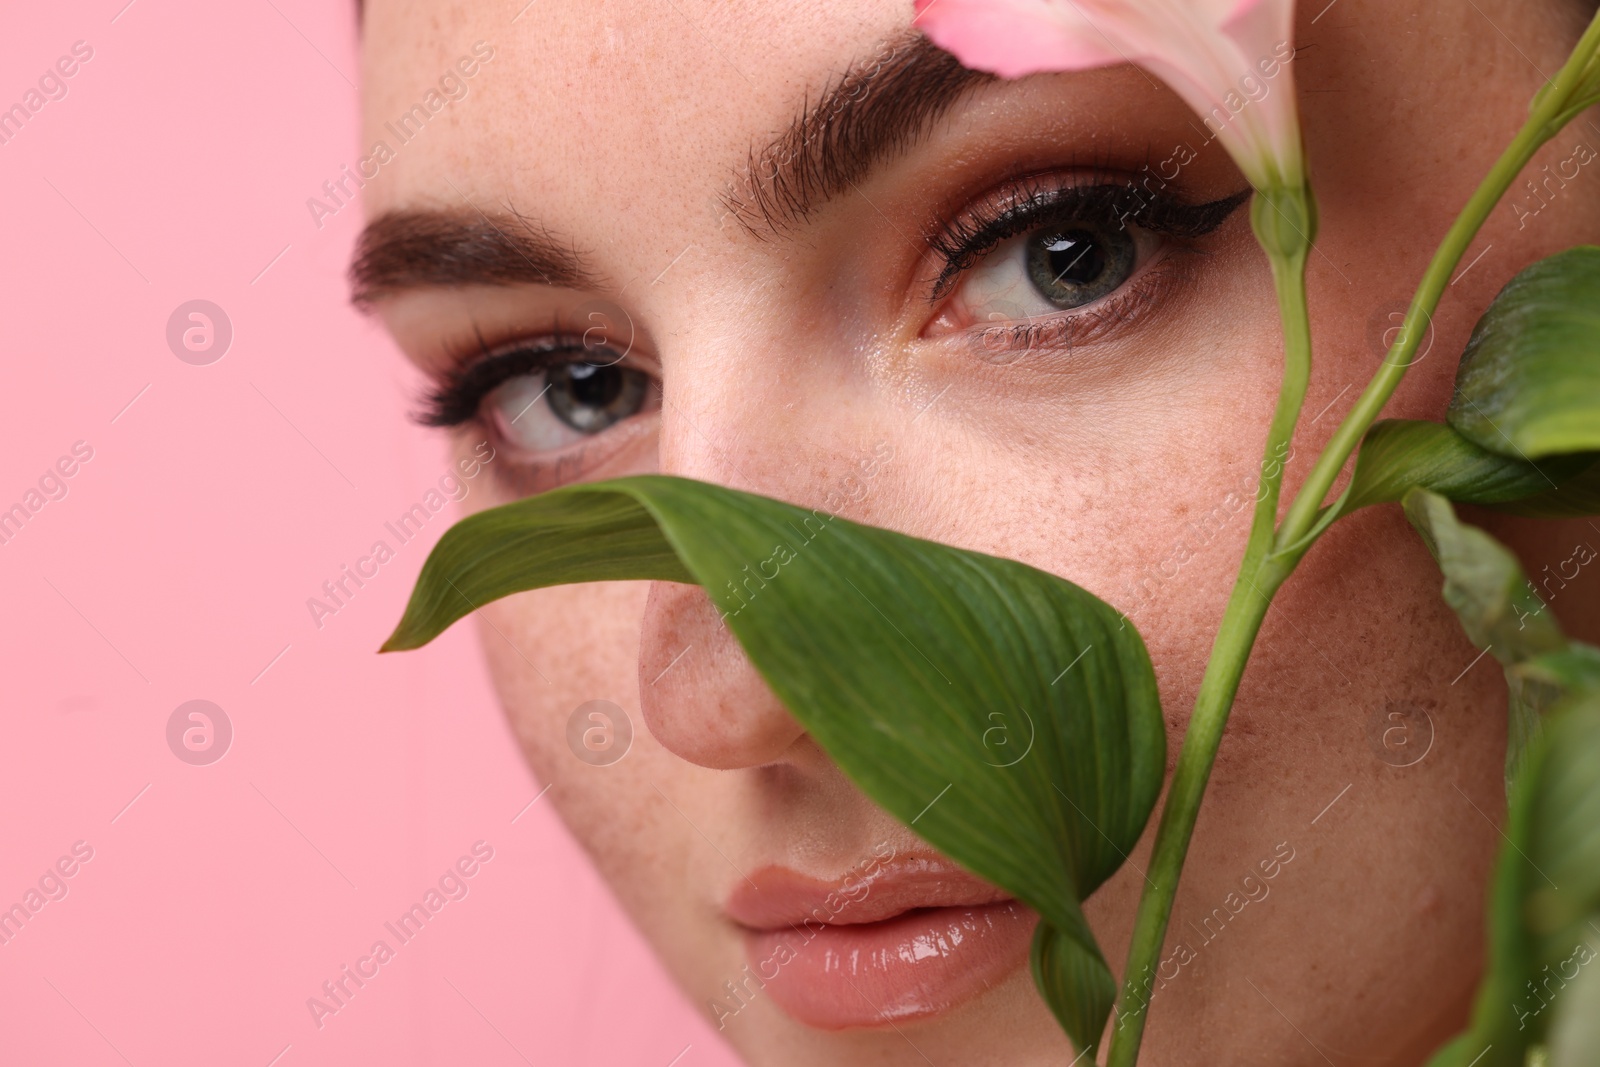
(899, 937)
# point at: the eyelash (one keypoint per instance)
(457, 398)
(1034, 202)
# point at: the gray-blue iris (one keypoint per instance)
(590, 397)
(1077, 264)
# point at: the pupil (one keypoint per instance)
(592, 386)
(591, 397)
(1074, 257)
(1074, 263)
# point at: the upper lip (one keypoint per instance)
(777, 897)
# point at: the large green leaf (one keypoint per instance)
(1529, 382)
(1007, 715)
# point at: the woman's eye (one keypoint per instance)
(548, 409)
(1051, 269)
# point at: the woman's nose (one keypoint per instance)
(700, 695)
(729, 419)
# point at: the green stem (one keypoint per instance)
(1543, 124)
(1271, 556)
(1259, 578)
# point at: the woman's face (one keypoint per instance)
(793, 249)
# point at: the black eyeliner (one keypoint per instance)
(965, 241)
(460, 392)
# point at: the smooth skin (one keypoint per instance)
(1124, 464)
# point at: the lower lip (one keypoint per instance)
(912, 966)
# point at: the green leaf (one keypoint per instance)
(551, 539)
(1523, 428)
(1399, 455)
(1529, 382)
(1008, 716)
(1544, 915)
(1575, 1029)
(1543, 906)
(1575, 668)
(1484, 584)
(1498, 608)
(1561, 903)
(1564, 832)
(1575, 494)
(1458, 1053)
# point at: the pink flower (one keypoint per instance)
(1228, 59)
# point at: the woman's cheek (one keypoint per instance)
(550, 652)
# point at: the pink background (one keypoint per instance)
(178, 567)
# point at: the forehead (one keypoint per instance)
(639, 108)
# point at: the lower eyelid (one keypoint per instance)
(526, 474)
(1096, 322)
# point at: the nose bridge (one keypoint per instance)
(774, 411)
(708, 438)
(750, 382)
(724, 418)
(738, 390)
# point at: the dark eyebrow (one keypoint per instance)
(428, 247)
(878, 107)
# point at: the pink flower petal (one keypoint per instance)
(1223, 57)
(1015, 37)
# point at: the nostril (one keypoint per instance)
(701, 697)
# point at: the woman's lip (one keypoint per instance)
(774, 898)
(898, 938)
(918, 964)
